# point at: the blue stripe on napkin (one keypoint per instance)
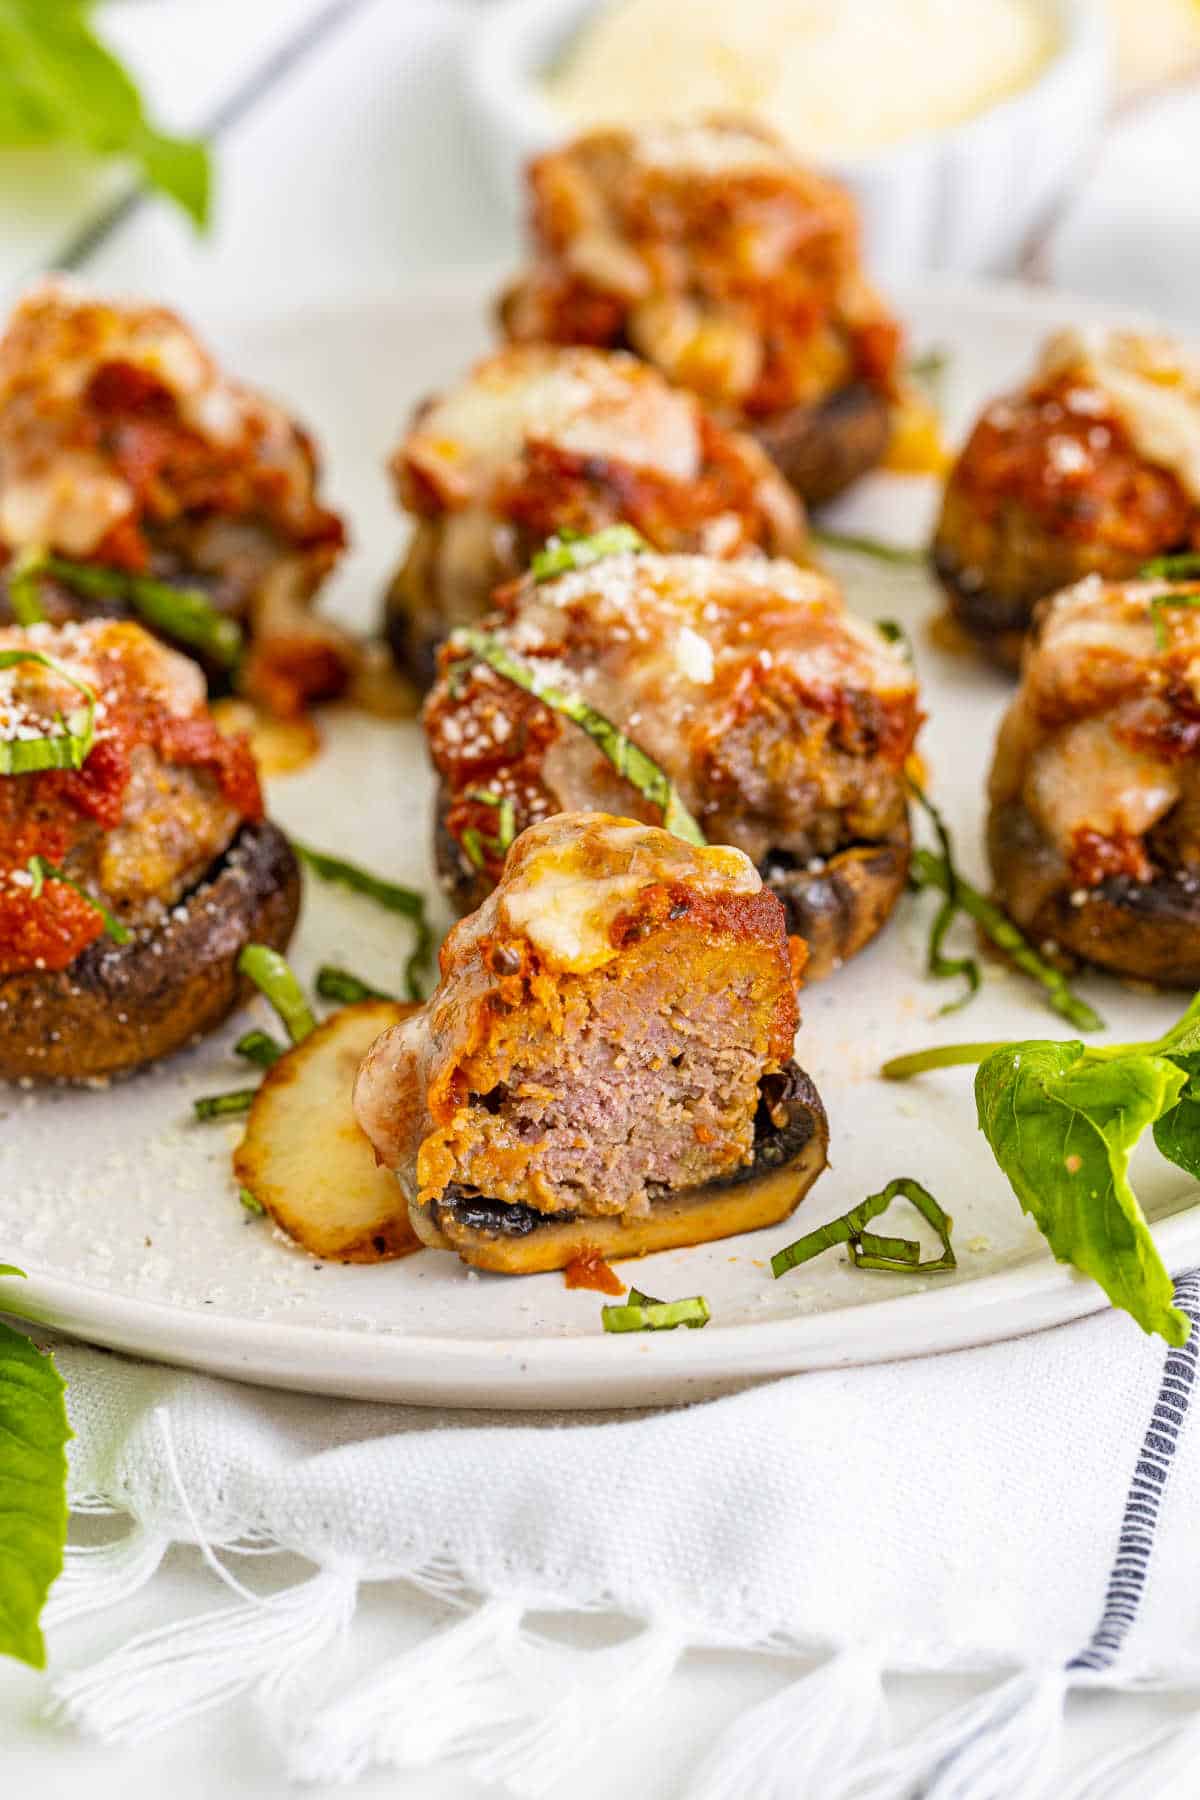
(1139, 1522)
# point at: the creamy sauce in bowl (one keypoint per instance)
(833, 77)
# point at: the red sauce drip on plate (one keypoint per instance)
(589, 1270)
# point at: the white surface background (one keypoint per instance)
(356, 170)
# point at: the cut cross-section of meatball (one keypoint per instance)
(606, 1064)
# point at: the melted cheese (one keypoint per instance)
(33, 698)
(829, 75)
(586, 402)
(1152, 388)
(683, 621)
(570, 877)
(59, 486)
(1069, 743)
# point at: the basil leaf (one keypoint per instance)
(1177, 1134)
(33, 1490)
(1062, 1125)
(60, 85)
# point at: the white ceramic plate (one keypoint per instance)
(125, 1215)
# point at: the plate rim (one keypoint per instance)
(531, 1371)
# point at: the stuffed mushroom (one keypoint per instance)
(135, 860)
(606, 1065)
(708, 250)
(1094, 829)
(1092, 467)
(739, 693)
(542, 440)
(137, 479)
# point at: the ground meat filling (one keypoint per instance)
(651, 1087)
(158, 801)
(608, 1030)
(784, 1123)
(1096, 763)
(784, 721)
(709, 251)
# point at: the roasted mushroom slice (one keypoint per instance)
(780, 720)
(1094, 830)
(135, 862)
(138, 480)
(540, 440)
(606, 1064)
(709, 250)
(1092, 467)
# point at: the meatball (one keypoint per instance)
(606, 1064)
(541, 440)
(132, 875)
(1094, 828)
(708, 250)
(783, 721)
(1092, 467)
(124, 449)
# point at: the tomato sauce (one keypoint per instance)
(46, 814)
(589, 1270)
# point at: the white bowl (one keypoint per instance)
(967, 198)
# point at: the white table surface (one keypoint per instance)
(350, 170)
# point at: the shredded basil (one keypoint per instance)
(640, 1313)
(901, 1256)
(259, 1047)
(568, 550)
(1180, 567)
(43, 871)
(71, 746)
(941, 872)
(1164, 602)
(855, 545)
(224, 1106)
(388, 894)
(276, 983)
(346, 989)
(892, 632)
(186, 614)
(626, 757)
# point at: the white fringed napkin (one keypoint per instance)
(1028, 1509)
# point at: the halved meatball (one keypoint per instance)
(539, 440)
(783, 721)
(707, 249)
(1094, 831)
(606, 1064)
(124, 448)
(131, 881)
(1092, 467)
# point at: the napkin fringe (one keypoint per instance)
(606, 1687)
(1004, 1741)
(162, 1677)
(97, 1577)
(809, 1739)
(1145, 1766)
(521, 1711)
(440, 1698)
